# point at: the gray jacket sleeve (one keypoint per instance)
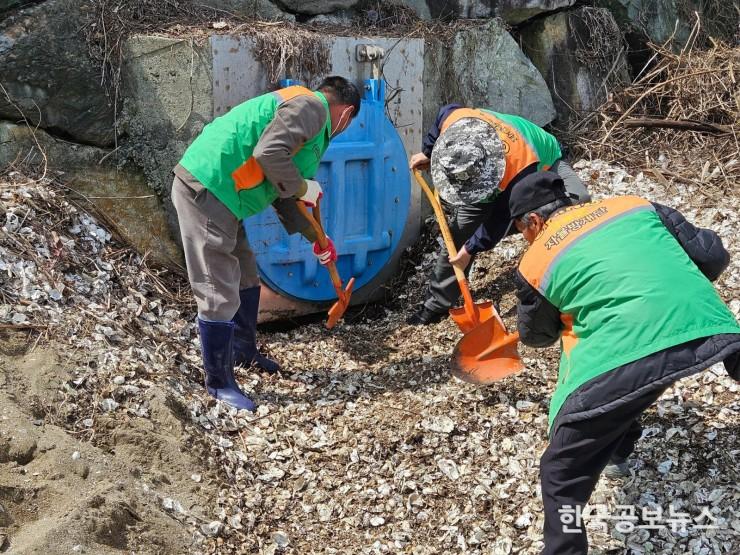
(703, 246)
(538, 320)
(296, 121)
(292, 220)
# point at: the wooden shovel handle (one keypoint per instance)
(449, 242)
(315, 221)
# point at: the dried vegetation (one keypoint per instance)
(679, 120)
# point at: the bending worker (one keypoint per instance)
(477, 156)
(626, 286)
(262, 152)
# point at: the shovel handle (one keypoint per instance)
(449, 243)
(315, 221)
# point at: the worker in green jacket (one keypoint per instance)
(476, 158)
(264, 152)
(625, 284)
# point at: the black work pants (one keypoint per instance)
(571, 465)
(443, 288)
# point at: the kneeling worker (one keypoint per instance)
(626, 285)
(262, 152)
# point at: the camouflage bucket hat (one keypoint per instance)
(468, 162)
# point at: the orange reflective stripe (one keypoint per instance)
(248, 175)
(568, 336)
(288, 93)
(519, 153)
(565, 228)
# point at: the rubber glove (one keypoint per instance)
(327, 255)
(313, 193)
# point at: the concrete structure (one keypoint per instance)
(176, 87)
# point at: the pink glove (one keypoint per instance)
(327, 255)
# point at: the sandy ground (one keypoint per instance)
(364, 444)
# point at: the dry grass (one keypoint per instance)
(684, 107)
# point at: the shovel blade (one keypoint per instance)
(340, 307)
(486, 354)
(484, 312)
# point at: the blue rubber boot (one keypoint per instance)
(245, 333)
(217, 341)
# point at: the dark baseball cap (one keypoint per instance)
(533, 191)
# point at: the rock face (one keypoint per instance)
(655, 20)
(421, 7)
(580, 54)
(673, 19)
(46, 68)
(7, 5)
(260, 9)
(168, 92)
(511, 11)
(122, 195)
(516, 11)
(503, 79)
(315, 7)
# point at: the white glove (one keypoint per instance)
(313, 193)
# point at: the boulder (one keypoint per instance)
(46, 68)
(421, 7)
(168, 99)
(258, 9)
(673, 19)
(517, 11)
(511, 11)
(315, 7)
(122, 195)
(484, 67)
(581, 55)
(7, 5)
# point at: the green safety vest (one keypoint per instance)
(624, 286)
(221, 156)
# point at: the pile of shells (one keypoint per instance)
(364, 443)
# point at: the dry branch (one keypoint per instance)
(685, 125)
(684, 107)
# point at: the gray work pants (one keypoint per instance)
(217, 253)
(443, 288)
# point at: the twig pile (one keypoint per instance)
(291, 51)
(685, 108)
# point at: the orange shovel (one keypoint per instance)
(339, 308)
(487, 352)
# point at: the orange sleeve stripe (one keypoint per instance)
(289, 93)
(563, 230)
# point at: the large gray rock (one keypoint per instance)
(46, 68)
(168, 91)
(258, 9)
(516, 11)
(7, 5)
(315, 7)
(674, 19)
(655, 20)
(485, 68)
(120, 194)
(580, 53)
(421, 7)
(511, 11)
